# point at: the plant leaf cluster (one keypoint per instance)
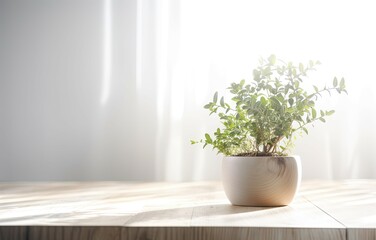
(265, 113)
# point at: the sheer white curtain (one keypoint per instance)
(113, 90)
(218, 42)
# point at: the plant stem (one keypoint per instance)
(317, 93)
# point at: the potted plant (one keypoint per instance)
(259, 128)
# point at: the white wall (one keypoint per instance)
(55, 124)
(113, 90)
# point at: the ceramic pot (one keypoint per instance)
(261, 181)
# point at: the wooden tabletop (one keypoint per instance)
(195, 210)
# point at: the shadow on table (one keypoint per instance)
(186, 216)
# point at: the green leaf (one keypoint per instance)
(313, 113)
(305, 130)
(335, 82)
(301, 67)
(193, 142)
(215, 98)
(208, 138)
(322, 113)
(207, 106)
(286, 89)
(272, 59)
(242, 82)
(342, 84)
(263, 101)
(294, 72)
(222, 102)
(322, 119)
(316, 89)
(330, 112)
(291, 101)
(266, 71)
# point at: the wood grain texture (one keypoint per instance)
(122, 211)
(361, 234)
(300, 214)
(261, 181)
(351, 202)
(74, 233)
(225, 233)
(13, 233)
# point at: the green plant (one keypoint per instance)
(266, 113)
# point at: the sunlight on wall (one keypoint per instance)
(234, 34)
(139, 45)
(220, 42)
(162, 26)
(114, 90)
(162, 53)
(107, 51)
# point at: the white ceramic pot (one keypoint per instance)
(261, 181)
